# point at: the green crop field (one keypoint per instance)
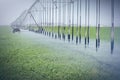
(24, 57)
(105, 32)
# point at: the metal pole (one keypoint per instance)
(112, 27)
(47, 18)
(56, 18)
(40, 28)
(59, 22)
(77, 31)
(29, 22)
(80, 24)
(69, 20)
(34, 19)
(88, 19)
(98, 23)
(50, 33)
(64, 18)
(72, 19)
(52, 18)
(85, 23)
(43, 19)
(57, 12)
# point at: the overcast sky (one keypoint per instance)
(11, 9)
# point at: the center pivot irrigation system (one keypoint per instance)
(56, 19)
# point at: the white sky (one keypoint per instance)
(11, 9)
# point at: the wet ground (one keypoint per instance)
(33, 56)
